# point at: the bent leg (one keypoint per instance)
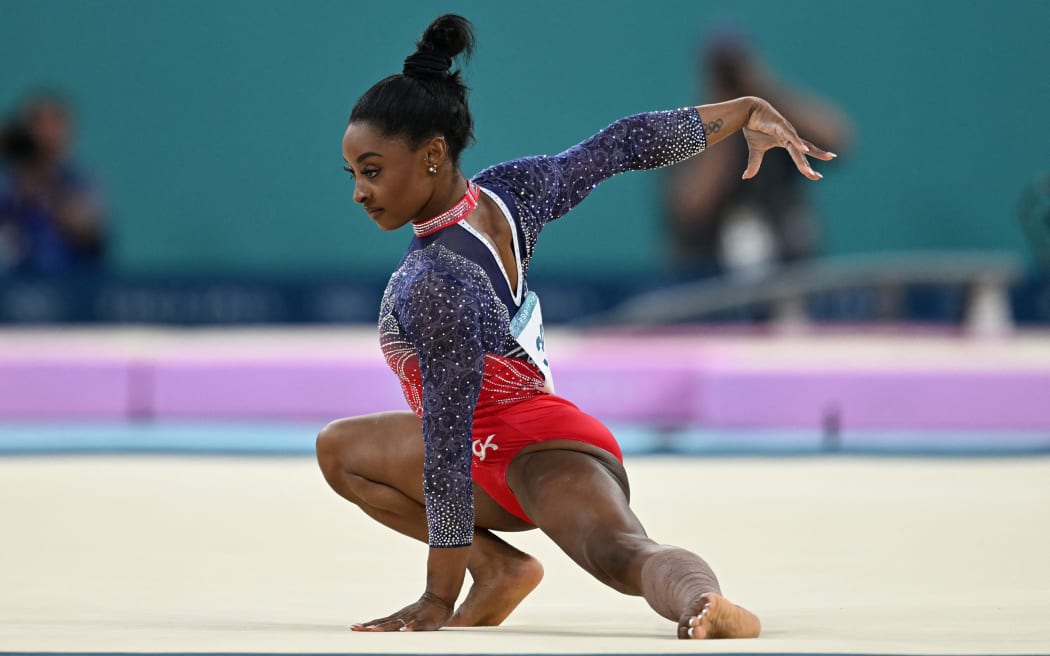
(376, 462)
(581, 501)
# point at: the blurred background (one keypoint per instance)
(171, 165)
(212, 135)
(183, 271)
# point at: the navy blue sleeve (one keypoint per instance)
(546, 188)
(442, 319)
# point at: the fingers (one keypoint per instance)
(798, 155)
(382, 625)
(754, 162)
(813, 151)
(802, 163)
(407, 619)
(423, 615)
(792, 140)
(767, 129)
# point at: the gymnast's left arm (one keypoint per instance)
(551, 186)
(547, 187)
(764, 129)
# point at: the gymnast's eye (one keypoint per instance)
(348, 170)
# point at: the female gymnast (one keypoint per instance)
(488, 446)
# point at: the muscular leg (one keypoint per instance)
(581, 501)
(376, 462)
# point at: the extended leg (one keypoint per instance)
(376, 462)
(580, 500)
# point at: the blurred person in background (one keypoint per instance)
(721, 224)
(51, 216)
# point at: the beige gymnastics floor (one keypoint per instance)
(919, 556)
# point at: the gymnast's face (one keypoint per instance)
(390, 178)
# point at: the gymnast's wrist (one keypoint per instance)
(436, 600)
(446, 571)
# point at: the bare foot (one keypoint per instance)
(720, 618)
(498, 591)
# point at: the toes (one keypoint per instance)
(696, 626)
(688, 627)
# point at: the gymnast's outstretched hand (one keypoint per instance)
(764, 129)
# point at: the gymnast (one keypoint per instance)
(488, 446)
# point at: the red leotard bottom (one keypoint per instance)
(501, 431)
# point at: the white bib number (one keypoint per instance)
(527, 329)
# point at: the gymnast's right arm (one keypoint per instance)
(442, 318)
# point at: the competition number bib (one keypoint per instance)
(527, 329)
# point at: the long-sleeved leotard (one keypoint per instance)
(446, 317)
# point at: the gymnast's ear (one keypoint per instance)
(435, 151)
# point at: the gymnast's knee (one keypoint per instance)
(335, 452)
(617, 561)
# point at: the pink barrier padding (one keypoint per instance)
(34, 388)
(874, 399)
(741, 383)
(273, 388)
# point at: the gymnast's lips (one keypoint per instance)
(374, 212)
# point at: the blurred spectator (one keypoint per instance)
(1034, 213)
(51, 217)
(720, 224)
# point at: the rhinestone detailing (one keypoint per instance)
(451, 216)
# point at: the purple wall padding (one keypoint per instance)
(622, 380)
(45, 388)
(630, 390)
(273, 388)
(874, 399)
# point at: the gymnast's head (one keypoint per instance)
(409, 129)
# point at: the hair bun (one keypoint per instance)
(427, 65)
(444, 39)
(429, 99)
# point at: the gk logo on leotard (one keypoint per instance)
(480, 448)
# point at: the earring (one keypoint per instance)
(432, 169)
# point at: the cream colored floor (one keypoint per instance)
(856, 555)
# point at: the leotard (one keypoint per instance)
(465, 344)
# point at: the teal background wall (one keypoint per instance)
(215, 126)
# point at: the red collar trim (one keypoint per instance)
(451, 216)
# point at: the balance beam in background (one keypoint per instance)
(785, 291)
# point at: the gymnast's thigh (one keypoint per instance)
(387, 448)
